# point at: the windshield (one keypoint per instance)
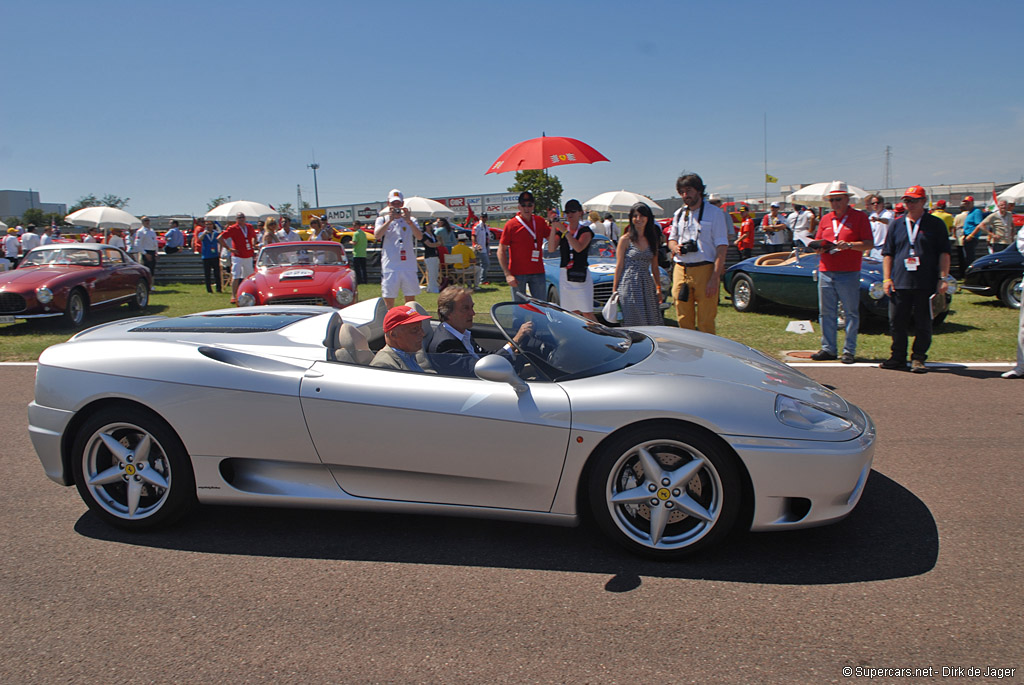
(566, 346)
(293, 255)
(58, 255)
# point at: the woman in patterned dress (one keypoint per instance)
(636, 270)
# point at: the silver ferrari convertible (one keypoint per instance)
(668, 438)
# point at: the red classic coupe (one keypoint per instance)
(69, 279)
(311, 272)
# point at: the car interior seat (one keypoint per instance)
(346, 343)
(428, 329)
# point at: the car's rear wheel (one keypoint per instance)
(141, 298)
(131, 468)
(1010, 292)
(75, 310)
(665, 492)
(553, 295)
(744, 299)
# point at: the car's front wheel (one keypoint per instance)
(553, 294)
(744, 299)
(141, 298)
(131, 468)
(74, 311)
(665, 492)
(1010, 292)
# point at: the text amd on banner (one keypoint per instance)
(339, 214)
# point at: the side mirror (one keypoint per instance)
(498, 369)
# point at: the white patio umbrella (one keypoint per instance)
(813, 195)
(252, 210)
(103, 217)
(424, 208)
(619, 201)
(3, 226)
(1014, 194)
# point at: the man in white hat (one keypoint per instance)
(398, 233)
(843, 236)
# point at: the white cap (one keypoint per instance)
(395, 194)
(776, 205)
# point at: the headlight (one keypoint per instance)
(44, 295)
(246, 300)
(951, 285)
(876, 291)
(799, 414)
(344, 297)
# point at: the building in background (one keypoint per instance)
(17, 202)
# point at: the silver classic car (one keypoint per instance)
(668, 437)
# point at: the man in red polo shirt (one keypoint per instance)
(242, 237)
(845, 233)
(520, 250)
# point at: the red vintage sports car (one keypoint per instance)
(312, 272)
(69, 279)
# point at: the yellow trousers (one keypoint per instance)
(706, 307)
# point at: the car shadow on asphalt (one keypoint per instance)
(891, 534)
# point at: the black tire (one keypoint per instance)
(1010, 292)
(141, 298)
(112, 467)
(553, 295)
(744, 299)
(76, 309)
(694, 500)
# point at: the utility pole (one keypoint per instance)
(887, 173)
(298, 200)
(316, 192)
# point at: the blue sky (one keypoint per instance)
(172, 104)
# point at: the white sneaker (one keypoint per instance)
(1014, 373)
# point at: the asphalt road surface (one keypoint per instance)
(926, 573)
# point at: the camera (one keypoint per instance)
(688, 246)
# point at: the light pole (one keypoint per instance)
(316, 193)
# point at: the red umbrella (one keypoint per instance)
(543, 153)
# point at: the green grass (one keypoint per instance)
(977, 329)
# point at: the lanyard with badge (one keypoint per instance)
(535, 255)
(913, 261)
(403, 228)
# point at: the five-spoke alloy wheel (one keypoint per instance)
(664, 492)
(131, 468)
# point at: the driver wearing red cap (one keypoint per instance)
(403, 338)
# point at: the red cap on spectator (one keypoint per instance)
(969, 198)
(401, 315)
(941, 204)
(914, 192)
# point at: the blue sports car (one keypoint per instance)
(601, 259)
(792, 279)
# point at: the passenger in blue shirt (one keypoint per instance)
(974, 217)
(210, 251)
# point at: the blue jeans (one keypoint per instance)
(835, 287)
(537, 284)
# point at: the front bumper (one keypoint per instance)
(805, 483)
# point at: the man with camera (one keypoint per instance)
(698, 240)
(397, 232)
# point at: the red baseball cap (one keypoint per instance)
(969, 198)
(401, 315)
(900, 207)
(914, 192)
(940, 203)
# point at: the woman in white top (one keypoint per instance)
(575, 283)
